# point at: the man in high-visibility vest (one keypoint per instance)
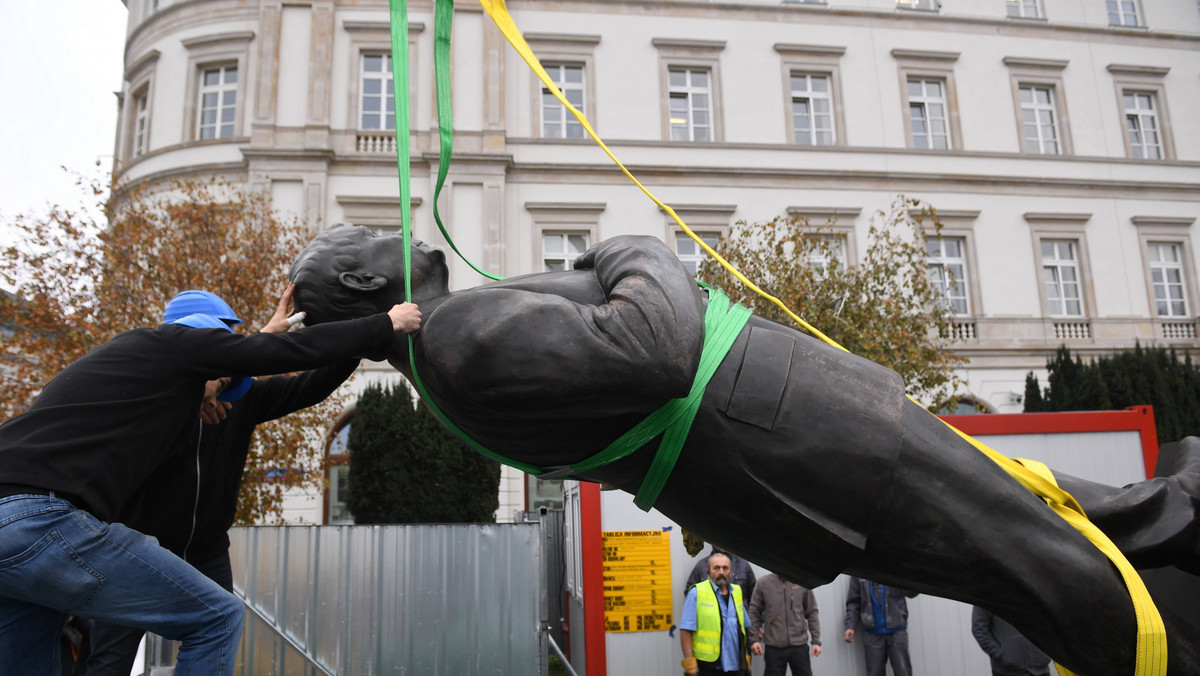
(712, 630)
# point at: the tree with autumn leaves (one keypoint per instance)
(75, 281)
(886, 308)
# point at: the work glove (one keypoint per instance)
(690, 666)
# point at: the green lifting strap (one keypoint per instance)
(723, 323)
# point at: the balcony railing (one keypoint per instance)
(1067, 330)
(374, 142)
(1185, 330)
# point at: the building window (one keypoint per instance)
(690, 94)
(218, 103)
(560, 249)
(378, 103)
(1037, 119)
(557, 121)
(824, 249)
(812, 109)
(690, 253)
(1060, 273)
(1166, 278)
(927, 113)
(338, 471)
(140, 119)
(1023, 9)
(1141, 123)
(947, 262)
(1122, 13)
(929, 5)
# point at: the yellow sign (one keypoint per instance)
(637, 581)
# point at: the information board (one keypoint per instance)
(637, 581)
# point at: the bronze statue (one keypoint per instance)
(834, 469)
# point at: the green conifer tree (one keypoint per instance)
(405, 467)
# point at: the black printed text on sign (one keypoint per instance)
(637, 581)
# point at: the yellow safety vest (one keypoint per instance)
(706, 640)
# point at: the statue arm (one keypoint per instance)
(636, 343)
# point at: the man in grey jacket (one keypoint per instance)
(883, 613)
(783, 615)
(1011, 653)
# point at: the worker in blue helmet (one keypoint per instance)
(189, 503)
(195, 305)
(73, 460)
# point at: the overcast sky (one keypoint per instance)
(60, 62)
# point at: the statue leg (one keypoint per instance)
(956, 525)
(1154, 522)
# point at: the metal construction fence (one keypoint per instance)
(421, 599)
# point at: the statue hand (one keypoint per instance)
(406, 318)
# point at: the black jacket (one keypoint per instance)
(107, 421)
(1011, 653)
(190, 501)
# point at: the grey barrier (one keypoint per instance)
(419, 599)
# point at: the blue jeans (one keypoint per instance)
(56, 560)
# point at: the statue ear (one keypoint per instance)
(364, 282)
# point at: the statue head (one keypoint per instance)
(350, 271)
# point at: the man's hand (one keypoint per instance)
(848, 637)
(756, 648)
(816, 651)
(278, 323)
(690, 666)
(406, 318)
(211, 410)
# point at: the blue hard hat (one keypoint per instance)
(238, 385)
(199, 302)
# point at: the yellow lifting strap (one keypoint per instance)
(1151, 639)
(1152, 635)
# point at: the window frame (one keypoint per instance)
(378, 213)
(1147, 79)
(213, 51)
(703, 219)
(834, 222)
(569, 218)
(1138, 14)
(929, 65)
(140, 77)
(919, 5)
(676, 53)
(1063, 227)
(335, 460)
(1038, 10)
(1034, 72)
(812, 60)
(960, 224)
(1168, 230)
(371, 37)
(387, 92)
(563, 49)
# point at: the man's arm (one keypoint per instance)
(813, 616)
(687, 625)
(852, 603)
(755, 615)
(981, 629)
